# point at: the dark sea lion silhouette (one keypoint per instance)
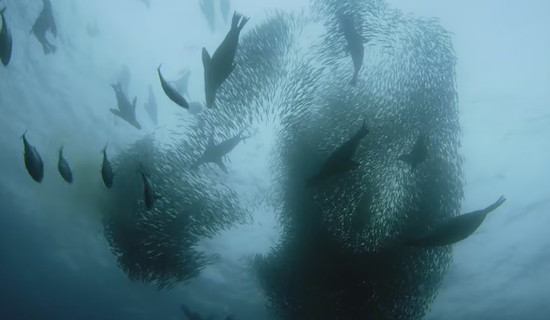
(214, 153)
(355, 45)
(418, 154)
(455, 229)
(340, 160)
(218, 67)
(126, 110)
(43, 23)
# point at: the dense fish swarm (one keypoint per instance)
(158, 246)
(340, 255)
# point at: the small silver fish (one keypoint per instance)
(33, 161)
(63, 168)
(149, 191)
(107, 170)
(172, 93)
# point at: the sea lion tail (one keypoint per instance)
(353, 81)
(104, 148)
(235, 21)
(243, 22)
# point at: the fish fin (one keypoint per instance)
(222, 166)
(2, 11)
(23, 135)
(116, 112)
(205, 58)
(61, 150)
(134, 103)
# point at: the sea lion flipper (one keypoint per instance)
(205, 58)
(495, 205)
(243, 22)
(235, 20)
(116, 112)
(53, 48)
(222, 166)
(53, 28)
